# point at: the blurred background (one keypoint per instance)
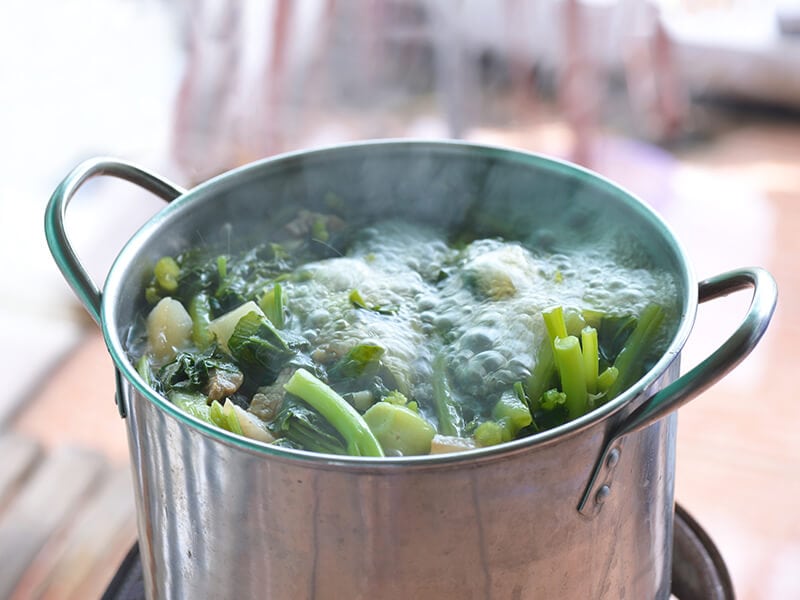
(692, 105)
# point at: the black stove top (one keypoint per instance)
(698, 571)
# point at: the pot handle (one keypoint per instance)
(697, 380)
(57, 239)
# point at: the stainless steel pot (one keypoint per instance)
(581, 511)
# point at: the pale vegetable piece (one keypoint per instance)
(169, 329)
(222, 327)
(500, 273)
(443, 444)
(252, 426)
(400, 431)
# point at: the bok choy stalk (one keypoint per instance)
(630, 363)
(448, 411)
(344, 418)
(200, 312)
(273, 305)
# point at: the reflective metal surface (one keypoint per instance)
(217, 521)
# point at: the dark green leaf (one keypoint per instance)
(259, 347)
(190, 371)
(306, 428)
(360, 362)
(611, 337)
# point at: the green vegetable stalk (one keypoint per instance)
(145, 370)
(305, 428)
(255, 343)
(591, 358)
(272, 305)
(224, 416)
(193, 403)
(167, 272)
(606, 379)
(362, 360)
(554, 322)
(573, 379)
(630, 362)
(511, 412)
(448, 411)
(200, 312)
(343, 417)
(543, 375)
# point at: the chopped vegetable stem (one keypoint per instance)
(448, 412)
(543, 373)
(343, 417)
(607, 378)
(591, 358)
(200, 312)
(630, 362)
(555, 323)
(272, 304)
(573, 380)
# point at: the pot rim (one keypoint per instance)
(686, 280)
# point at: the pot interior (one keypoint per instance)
(485, 191)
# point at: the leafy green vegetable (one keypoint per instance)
(166, 273)
(343, 417)
(544, 373)
(361, 361)
(491, 433)
(606, 379)
(630, 362)
(200, 311)
(306, 429)
(357, 300)
(229, 281)
(591, 358)
(272, 305)
(224, 416)
(612, 334)
(551, 410)
(512, 413)
(145, 370)
(259, 347)
(571, 370)
(190, 371)
(448, 411)
(247, 347)
(193, 403)
(554, 322)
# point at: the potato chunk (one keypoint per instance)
(169, 329)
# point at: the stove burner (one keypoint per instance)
(698, 571)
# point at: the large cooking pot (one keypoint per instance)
(581, 511)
